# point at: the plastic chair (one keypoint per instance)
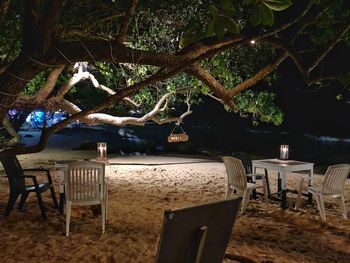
(18, 186)
(248, 166)
(85, 185)
(237, 180)
(332, 186)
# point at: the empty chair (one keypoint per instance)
(332, 186)
(18, 186)
(198, 233)
(248, 166)
(85, 185)
(237, 180)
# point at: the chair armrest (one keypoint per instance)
(255, 175)
(36, 169)
(40, 170)
(33, 177)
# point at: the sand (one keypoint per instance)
(140, 189)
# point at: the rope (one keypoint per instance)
(177, 126)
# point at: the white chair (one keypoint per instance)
(332, 186)
(85, 185)
(237, 180)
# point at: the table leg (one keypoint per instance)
(61, 204)
(267, 183)
(62, 197)
(279, 182)
(253, 180)
(283, 190)
(310, 182)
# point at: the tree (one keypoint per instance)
(151, 50)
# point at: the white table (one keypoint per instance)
(283, 167)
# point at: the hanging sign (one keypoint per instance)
(177, 137)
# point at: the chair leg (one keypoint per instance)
(103, 215)
(41, 204)
(228, 191)
(300, 192)
(106, 198)
(54, 199)
(265, 191)
(22, 200)
(11, 202)
(341, 202)
(320, 205)
(246, 196)
(267, 182)
(68, 213)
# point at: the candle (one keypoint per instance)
(284, 152)
(101, 150)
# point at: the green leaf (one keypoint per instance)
(255, 16)
(230, 25)
(267, 16)
(226, 4)
(188, 37)
(219, 27)
(209, 31)
(248, 2)
(213, 10)
(277, 5)
(229, 13)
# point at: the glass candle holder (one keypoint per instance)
(284, 152)
(102, 150)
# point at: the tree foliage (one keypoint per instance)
(149, 56)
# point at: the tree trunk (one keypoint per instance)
(12, 81)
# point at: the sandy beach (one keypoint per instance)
(140, 189)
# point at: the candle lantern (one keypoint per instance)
(284, 152)
(102, 150)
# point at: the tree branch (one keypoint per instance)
(4, 7)
(50, 83)
(218, 89)
(330, 46)
(277, 43)
(257, 77)
(30, 32)
(47, 27)
(80, 32)
(126, 21)
(11, 131)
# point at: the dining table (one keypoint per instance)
(283, 168)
